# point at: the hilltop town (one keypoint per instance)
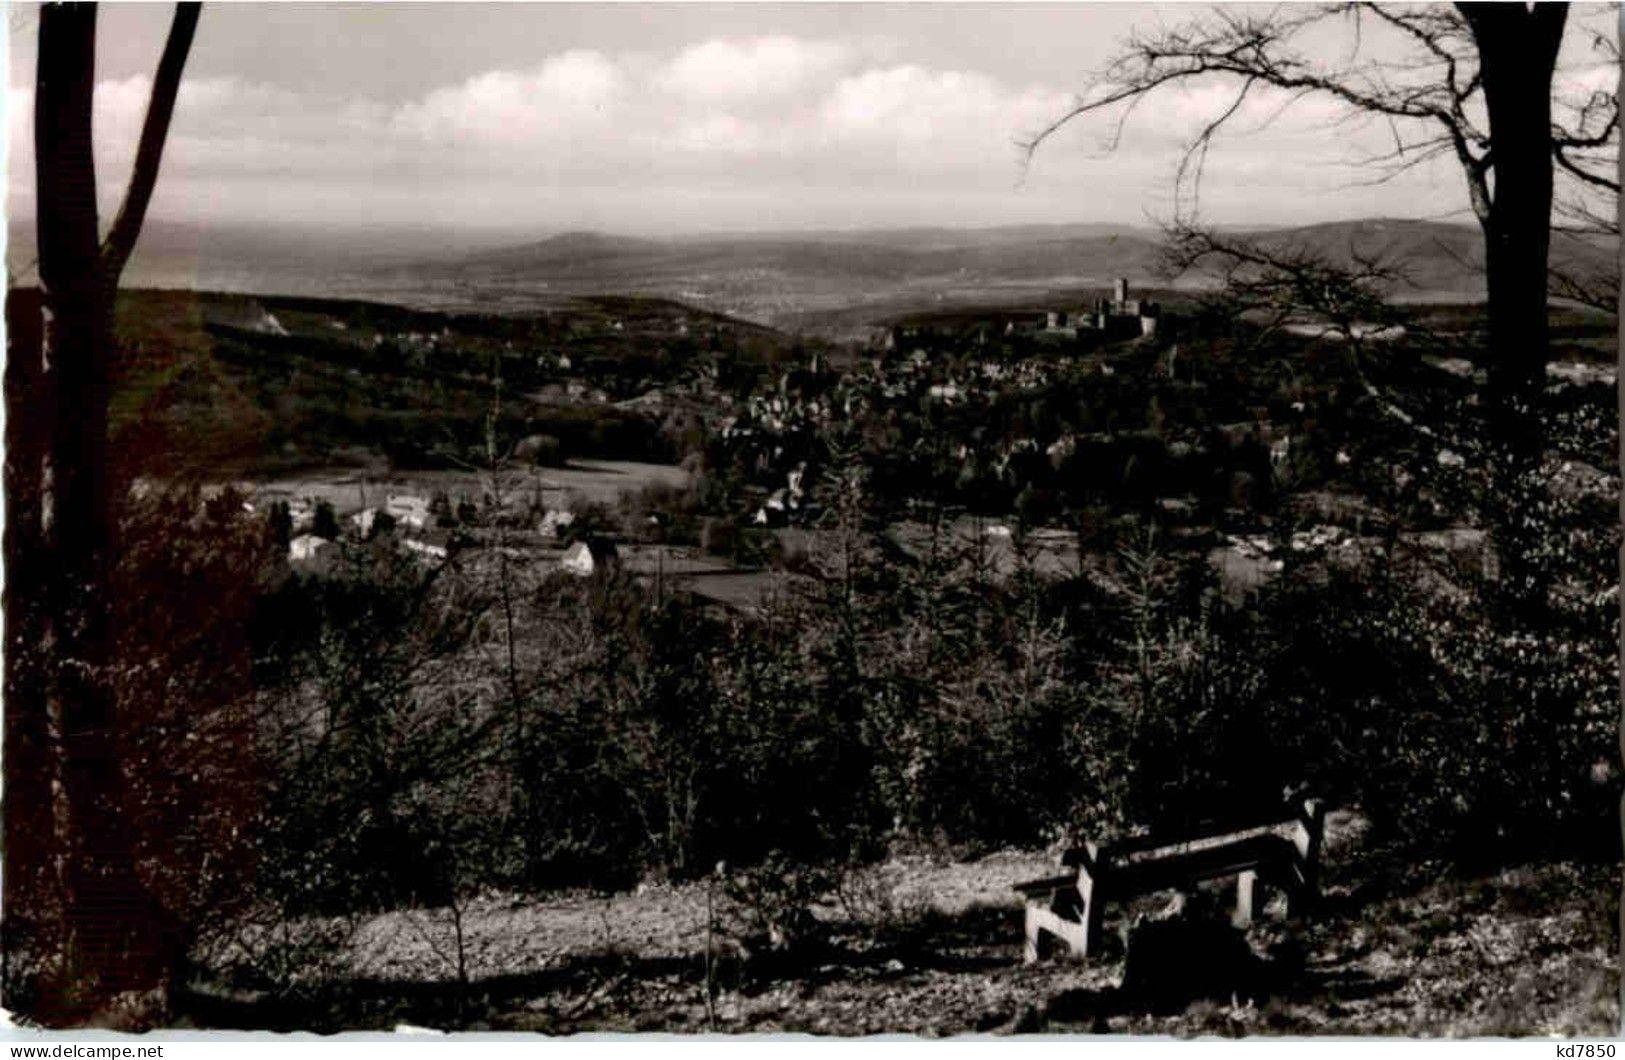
(1017, 418)
(593, 594)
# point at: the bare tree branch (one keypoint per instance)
(1290, 285)
(120, 241)
(1442, 83)
(1431, 79)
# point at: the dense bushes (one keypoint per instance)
(190, 571)
(896, 696)
(394, 733)
(601, 732)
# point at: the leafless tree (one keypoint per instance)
(1585, 218)
(115, 937)
(1473, 82)
(1285, 285)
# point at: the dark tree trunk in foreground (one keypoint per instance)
(111, 943)
(30, 886)
(1517, 49)
(116, 936)
(1620, 375)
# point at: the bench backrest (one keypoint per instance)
(1302, 823)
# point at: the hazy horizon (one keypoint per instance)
(692, 118)
(375, 235)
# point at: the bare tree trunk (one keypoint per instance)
(1620, 386)
(1517, 48)
(107, 913)
(117, 937)
(30, 897)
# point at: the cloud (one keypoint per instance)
(933, 117)
(821, 128)
(758, 69)
(565, 92)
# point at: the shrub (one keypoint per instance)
(769, 905)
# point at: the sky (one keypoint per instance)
(694, 117)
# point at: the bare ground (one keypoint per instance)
(932, 947)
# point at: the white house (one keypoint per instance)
(424, 550)
(408, 510)
(306, 547)
(579, 560)
(555, 521)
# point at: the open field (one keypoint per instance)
(350, 489)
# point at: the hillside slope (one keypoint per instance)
(935, 950)
(786, 279)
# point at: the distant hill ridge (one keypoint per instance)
(770, 277)
(1436, 256)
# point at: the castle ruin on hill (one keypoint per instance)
(1117, 318)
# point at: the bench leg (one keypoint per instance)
(1300, 900)
(1248, 894)
(1081, 935)
(1091, 913)
(1309, 831)
(1041, 919)
(1302, 889)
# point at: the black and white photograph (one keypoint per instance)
(812, 519)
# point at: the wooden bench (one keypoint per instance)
(1280, 849)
